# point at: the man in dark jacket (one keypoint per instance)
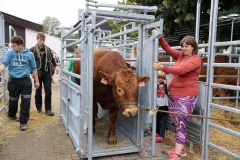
(46, 66)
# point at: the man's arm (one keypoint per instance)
(2, 67)
(35, 75)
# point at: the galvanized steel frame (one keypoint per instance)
(3, 50)
(87, 25)
(210, 72)
(209, 85)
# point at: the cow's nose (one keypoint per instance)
(130, 112)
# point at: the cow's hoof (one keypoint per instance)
(112, 139)
(112, 142)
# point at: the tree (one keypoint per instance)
(176, 14)
(116, 26)
(180, 14)
(51, 26)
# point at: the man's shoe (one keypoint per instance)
(23, 127)
(171, 152)
(50, 113)
(40, 111)
(13, 118)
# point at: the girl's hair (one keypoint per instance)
(41, 35)
(190, 40)
(76, 46)
(161, 74)
(17, 40)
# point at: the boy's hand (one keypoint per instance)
(57, 70)
(37, 84)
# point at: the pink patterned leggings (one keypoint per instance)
(181, 104)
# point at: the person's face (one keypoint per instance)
(160, 80)
(76, 50)
(187, 49)
(17, 48)
(40, 42)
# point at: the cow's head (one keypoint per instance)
(125, 88)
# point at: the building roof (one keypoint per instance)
(10, 19)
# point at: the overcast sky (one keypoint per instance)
(66, 11)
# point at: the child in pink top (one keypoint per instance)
(162, 105)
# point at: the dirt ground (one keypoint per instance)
(46, 137)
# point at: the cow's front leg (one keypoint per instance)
(112, 138)
(95, 111)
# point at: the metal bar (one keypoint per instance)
(154, 25)
(198, 20)
(226, 43)
(218, 106)
(229, 131)
(71, 59)
(223, 151)
(10, 32)
(127, 15)
(119, 34)
(210, 71)
(227, 65)
(76, 87)
(134, 7)
(225, 86)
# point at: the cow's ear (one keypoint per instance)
(106, 78)
(142, 80)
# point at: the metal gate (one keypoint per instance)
(206, 101)
(2, 52)
(209, 124)
(76, 101)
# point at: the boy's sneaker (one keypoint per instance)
(23, 127)
(175, 157)
(40, 111)
(50, 113)
(171, 152)
(13, 118)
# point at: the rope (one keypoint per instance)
(154, 111)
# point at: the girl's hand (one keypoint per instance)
(157, 66)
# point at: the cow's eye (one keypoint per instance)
(119, 90)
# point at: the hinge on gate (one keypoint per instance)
(85, 131)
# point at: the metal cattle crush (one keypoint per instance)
(76, 101)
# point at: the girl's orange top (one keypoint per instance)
(185, 72)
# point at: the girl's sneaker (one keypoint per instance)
(159, 139)
(175, 157)
(171, 152)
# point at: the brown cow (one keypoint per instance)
(221, 71)
(217, 70)
(115, 87)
